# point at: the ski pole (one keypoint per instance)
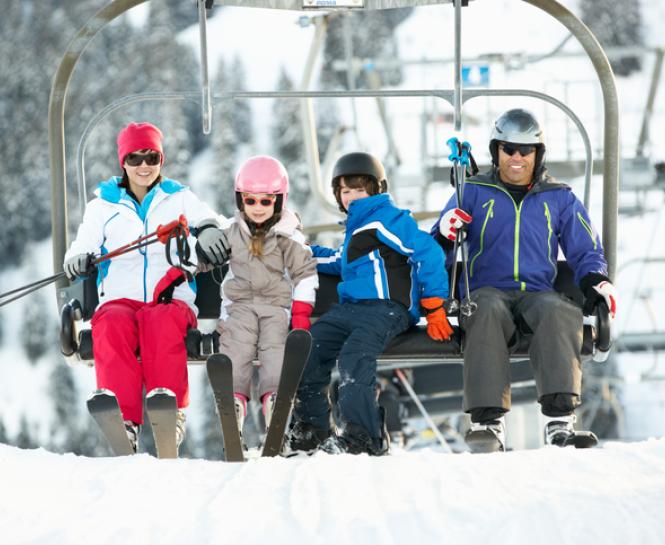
(29, 288)
(460, 157)
(412, 393)
(164, 234)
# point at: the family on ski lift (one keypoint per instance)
(512, 219)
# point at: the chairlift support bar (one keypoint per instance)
(117, 7)
(447, 95)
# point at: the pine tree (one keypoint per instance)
(224, 144)
(616, 24)
(35, 330)
(287, 136)
(24, 438)
(65, 434)
(372, 37)
(4, 439)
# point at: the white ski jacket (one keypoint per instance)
(114, 219)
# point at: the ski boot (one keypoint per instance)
(304, 437)
(180, 419)
(487, 436)
(559, 431)
(355, 440)
(268, 405)
(240, 404)
(133, 432)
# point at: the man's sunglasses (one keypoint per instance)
(136, 159)
(524, 149)
(265, 201)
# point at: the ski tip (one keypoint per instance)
(160, 391)
(217, 359)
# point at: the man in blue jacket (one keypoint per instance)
(514, 219)
(390, 270)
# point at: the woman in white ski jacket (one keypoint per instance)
(271, 281)
(145, 304)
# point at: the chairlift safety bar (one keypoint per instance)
(115, 8)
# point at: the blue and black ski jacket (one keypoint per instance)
(385, 256)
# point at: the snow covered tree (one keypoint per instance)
(225, 145)
(372, 37)
(616, 24)
(288, 141)
(24, 439)
(241, 119)
(36, 328)
(64, 434)
(3, 433)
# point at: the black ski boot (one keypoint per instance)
(304, 437)
(559, 431)
(355, 440)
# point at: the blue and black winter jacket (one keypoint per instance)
(515, 247)
(385, 256)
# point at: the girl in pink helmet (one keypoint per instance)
(271, 282)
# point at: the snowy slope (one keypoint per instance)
(613, 495)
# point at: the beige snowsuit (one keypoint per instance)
(257, 293)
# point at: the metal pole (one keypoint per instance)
(457, 96)
(648, 110)
(423, 411)
(56, 125)
(307, 118)
(611, 109)
(206, 102)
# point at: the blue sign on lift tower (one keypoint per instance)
(476, 75)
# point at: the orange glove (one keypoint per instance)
(438, 327)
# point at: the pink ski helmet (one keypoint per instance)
(262, 174)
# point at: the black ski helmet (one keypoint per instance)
(359, 164)
(518, 126)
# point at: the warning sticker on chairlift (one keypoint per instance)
(333, 4)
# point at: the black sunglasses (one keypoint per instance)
(251, 201)
(135, 159)
(524, 149)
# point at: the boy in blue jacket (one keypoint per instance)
(389, 269)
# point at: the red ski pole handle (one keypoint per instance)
(164, 232)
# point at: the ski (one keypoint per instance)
(220, 375)
(581, 439)
(483, 442)
(296, 352)
(103, 407)
(162, 407)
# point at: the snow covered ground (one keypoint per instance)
(610, 495)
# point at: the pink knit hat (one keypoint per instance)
(138, 136)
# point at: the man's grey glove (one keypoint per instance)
(212, 246)
(79, 265)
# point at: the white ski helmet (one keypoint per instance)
(518, 126)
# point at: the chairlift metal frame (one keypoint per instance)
(456, 97)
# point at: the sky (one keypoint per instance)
(543, 496)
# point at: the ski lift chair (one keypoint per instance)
(75, 316)
(435, 368)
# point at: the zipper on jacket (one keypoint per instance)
(588, 229)
(490, 214)
(548, 216)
